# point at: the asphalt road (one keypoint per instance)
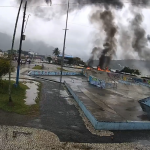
(63, 119)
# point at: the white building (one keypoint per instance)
(1, 54)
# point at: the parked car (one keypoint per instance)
(23, 61)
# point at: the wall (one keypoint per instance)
(100, 83)
(126, 79)
(51, 73)
(97, 82)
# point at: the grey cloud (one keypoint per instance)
(36, 46)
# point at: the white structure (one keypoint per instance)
(32, 53)
(1, 54)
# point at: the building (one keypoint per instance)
(66, 58)
(1, 53)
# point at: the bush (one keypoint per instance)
(131, 71)
(4, 67)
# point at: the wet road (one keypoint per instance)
(63, 119)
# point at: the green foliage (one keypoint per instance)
(59, 68)
(14, 53)
(131, 71)
(49, 59)
(37, 67)
(18, 96)
(70, 61)
(4, 67)
(137, 72)
(56, 51)
(76, 61)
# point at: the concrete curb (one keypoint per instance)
(101, 125)
(46, 79)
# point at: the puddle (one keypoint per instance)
(32, 92)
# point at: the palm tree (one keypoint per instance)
(56, 51)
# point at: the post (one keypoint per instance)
(12, 47)
(62, 61)
(20, 46)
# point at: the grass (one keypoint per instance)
(59, 68)
(18, 96)
(37, 67)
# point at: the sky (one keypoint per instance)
(44, 31)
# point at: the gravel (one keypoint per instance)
(29, 138)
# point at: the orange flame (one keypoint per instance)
(88, 68)
(106, 70)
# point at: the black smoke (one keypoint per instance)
(105, 20)
(139, 41)
(95, 51)
(140, 3)
(36, 1)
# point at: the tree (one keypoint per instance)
(14, 53)
(137, 72)
(70, 61)
(49, 59)
(131, 71)
(56, 51)
(78, 61)
(4, 67)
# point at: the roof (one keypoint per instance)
(66, 56)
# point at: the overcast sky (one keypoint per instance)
(45, 32)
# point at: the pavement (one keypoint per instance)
(119, 104)
(19, 138)
(47, 67)
(59, 115)
(63, 120)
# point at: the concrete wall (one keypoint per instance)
(52, 73)
(110, 76)
(101, 83)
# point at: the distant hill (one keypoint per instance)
(142, 65)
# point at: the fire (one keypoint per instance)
(88, 68)
(99, 69)
(106, 70)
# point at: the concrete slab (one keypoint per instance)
(112, 109)
(120, 104)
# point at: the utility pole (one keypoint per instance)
(20, 46)
(11, 52)
(62, 61)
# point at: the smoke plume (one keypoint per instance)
(95, 52)
(105, 20)
(139, 41)
(143, 3)
(35, 1)
(49, 13)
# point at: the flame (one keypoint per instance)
(106, 70)
(88, 68)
